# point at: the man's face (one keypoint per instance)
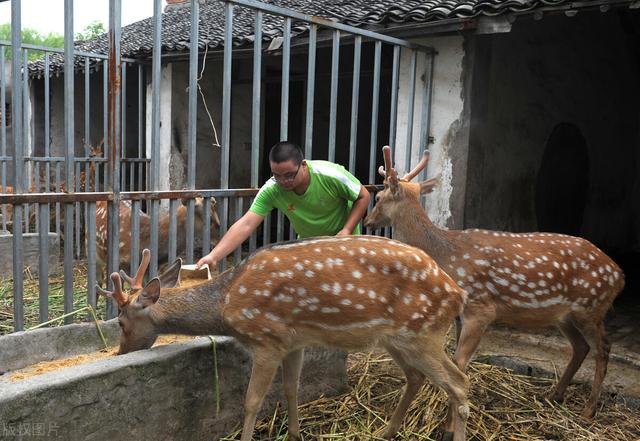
(287, 174)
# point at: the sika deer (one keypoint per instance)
(145, 231)
(528, 280)
(351, 292)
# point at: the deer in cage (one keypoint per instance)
(144, 234)
(353, 292)
(529, 280)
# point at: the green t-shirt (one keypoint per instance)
(322, 210)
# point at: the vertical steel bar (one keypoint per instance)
(206, 227)
(113, 142)
(411, 109)
(68, 155)
(237, 254)
(136, 208)
(25, 137)
(394, 98)
(280, 226)
(333, 106)
(192, 127)
(132, 169)
(105, 119)
(284, 97)
(173, 229)
(87, 94)
(155, 132)
(311, 84)
(426, 107)
(43, 263)
(375, 104)
(266, 236)
(226, 115)
(47, 122)
(140, 124)
(255, 111)
(57, 190)
(123, 124)
(91, 254)
(76, 187)
(3, 134)
(355, 94)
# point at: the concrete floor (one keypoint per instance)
(548, 352)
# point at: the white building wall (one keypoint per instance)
(447, 106)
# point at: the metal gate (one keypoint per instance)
(124, 173)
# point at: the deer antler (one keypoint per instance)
(136, 282)
(118, 295)
(389, 172)
(418, 168)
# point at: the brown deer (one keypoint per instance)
(351, 292)
(145, 231)
(530, 280)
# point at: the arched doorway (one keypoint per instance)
(562, 183)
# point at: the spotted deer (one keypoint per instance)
(145, 231)
(353, 292)
(530, 280)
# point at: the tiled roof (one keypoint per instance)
(137, 38)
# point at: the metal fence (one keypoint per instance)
(120, 175)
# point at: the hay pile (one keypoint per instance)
(31, 294)
(505, 406)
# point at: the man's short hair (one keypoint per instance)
(286, 151)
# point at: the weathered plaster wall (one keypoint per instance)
(448, 126)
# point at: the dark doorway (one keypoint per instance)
(562, 184)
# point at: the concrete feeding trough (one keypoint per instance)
(166, 392)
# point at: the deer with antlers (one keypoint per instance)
(530, 280)
(349, 292)
(145, 230)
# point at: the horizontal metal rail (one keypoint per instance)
(44, 198)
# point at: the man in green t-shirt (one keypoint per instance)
(320, 198)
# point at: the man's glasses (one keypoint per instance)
(287, 177)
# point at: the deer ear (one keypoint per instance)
(428, 185)
(150, 294)
(171, 276)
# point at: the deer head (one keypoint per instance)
(390, 202)
(133, 304)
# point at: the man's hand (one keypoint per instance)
(207, 260)
(343, 232)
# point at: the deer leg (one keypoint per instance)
(264, 368)
(458, 329)
(580, 349)
(433, 362)
(291, 367)
(473, 327)
(595, 334)
(415, 380)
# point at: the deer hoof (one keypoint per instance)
(556, 397)
(588, 413)
(446, 436)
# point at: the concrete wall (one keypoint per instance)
(581, 70)
(166, 393)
